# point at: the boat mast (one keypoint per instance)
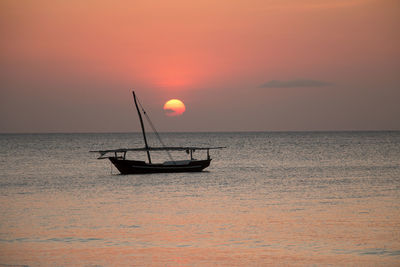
(141, 124)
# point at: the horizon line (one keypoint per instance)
(236, 131)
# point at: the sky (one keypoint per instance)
(253, 65)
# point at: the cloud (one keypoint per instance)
(168, 110)
(295, 83)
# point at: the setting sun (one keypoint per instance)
(174, 107)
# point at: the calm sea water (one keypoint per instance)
(325, 198)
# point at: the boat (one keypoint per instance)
(127, 166)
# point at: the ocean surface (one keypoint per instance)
(295, 199)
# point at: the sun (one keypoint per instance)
(174, 107)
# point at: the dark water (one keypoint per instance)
(325, 198)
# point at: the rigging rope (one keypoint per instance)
(155, 131)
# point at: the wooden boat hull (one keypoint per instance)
(140, 167)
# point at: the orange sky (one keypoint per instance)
(69, 66)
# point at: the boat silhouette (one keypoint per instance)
(128, 166)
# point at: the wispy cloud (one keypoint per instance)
(295, 83)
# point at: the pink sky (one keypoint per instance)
(270, 65)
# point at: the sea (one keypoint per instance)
(267, 199)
